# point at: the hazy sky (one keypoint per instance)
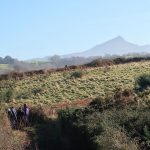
(37, 28)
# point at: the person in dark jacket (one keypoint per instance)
(20, 116)
(26, 114)
(12, 114)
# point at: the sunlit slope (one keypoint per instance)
(5, 67)
(62, 87)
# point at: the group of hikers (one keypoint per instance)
(19, 117)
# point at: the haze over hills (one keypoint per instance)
(109, 49)
(116, 46)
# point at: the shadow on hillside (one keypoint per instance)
(51, 134)
(44, 133)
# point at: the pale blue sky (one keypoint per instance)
(37, 28)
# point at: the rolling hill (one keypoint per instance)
(61, 86)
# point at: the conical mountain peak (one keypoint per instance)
(118, 38)
(115, 46)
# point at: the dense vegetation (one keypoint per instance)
(117, 117)
(114, 128)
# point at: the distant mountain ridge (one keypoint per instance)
(116, 46)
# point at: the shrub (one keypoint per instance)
(142, 82)
(35, 91)
(124, 97)
(24, 95)
(100, 63)
(99, 103)
(119, 99)
(7, 95)
(77, 74)
(94, 130)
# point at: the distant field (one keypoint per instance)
(58, 87)
(4, 66)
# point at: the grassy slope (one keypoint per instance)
(61, 87)
(4, 66)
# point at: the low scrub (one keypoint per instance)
(100, 63)
(7, 95)
(120, 99)
(93, 130)
(77, 74)
(142, 82)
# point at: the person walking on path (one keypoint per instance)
(20, 115)
(26, 114)
(12, 113)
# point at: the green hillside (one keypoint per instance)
(4, 66)
(63, 86)
(98, 109)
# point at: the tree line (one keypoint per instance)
(7, 60)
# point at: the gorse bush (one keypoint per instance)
(111, 129)
(142, 82)
(120, 98)
(7, 95)
(147, 135)
(36, 91)
(115, 122)
(77, 74)
(100, 63)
